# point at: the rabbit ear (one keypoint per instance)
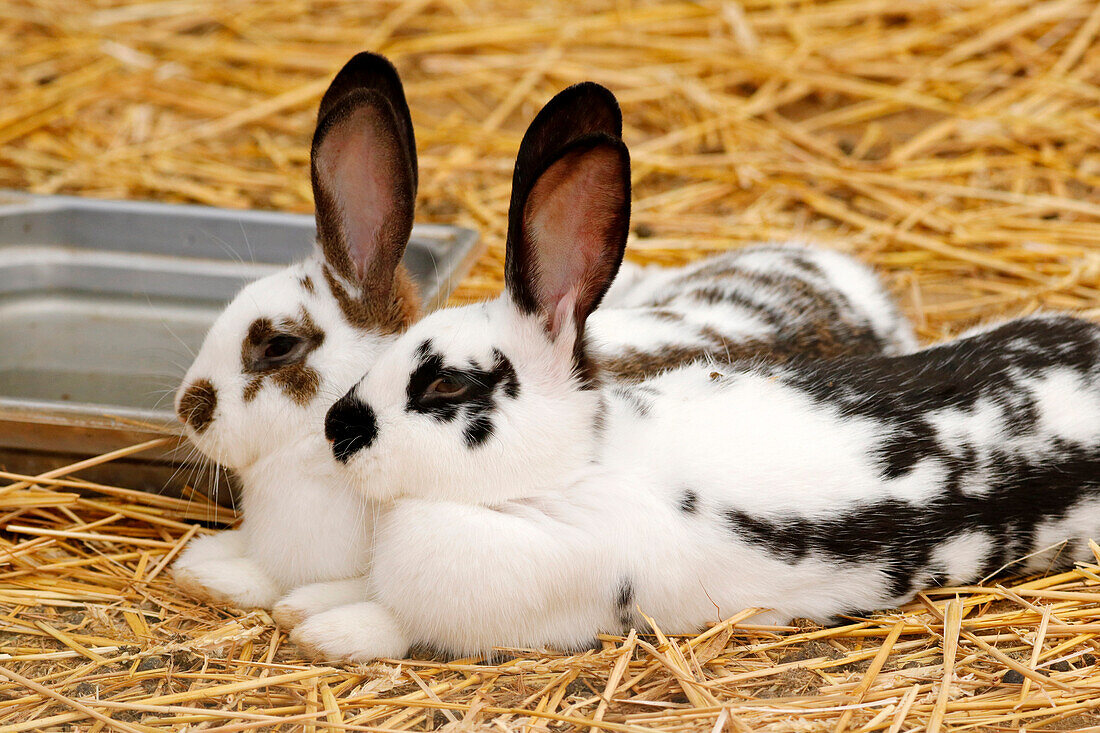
(567, 228)
(578, 111)
(570, 208)
(370, 71)
(363, 165)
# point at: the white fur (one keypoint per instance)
(357, 632)
(627, 319)
(309, 600)
(302, 525)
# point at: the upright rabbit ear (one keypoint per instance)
(370, 71)
(363, 165)
(578, 111)
(570, 211)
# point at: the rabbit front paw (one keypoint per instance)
(233, 581)
(310, 600)
(358, 632)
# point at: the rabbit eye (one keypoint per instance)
(279, 346)
(445, 387)
(277, 351)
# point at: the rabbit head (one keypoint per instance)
(476, 403)
(291, 343)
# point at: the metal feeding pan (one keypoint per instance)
(102, 304)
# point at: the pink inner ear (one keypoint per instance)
(359, 169)
(570, 220)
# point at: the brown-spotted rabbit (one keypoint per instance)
(290, 343)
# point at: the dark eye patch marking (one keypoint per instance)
(298, 381)
(478, 401)
(197, 405)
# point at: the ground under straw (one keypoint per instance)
(955, 145)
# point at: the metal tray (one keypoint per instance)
(102, 304)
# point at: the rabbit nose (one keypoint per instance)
(350, 426)
(197, 405)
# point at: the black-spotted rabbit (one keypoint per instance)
(530, 502)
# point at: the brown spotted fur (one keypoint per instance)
(831, 333)
(299, 381)
(197, 405)
(378, 314)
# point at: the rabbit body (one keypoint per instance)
(287, 345)
(810, 490)
(302, 525)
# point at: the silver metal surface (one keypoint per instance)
(102, 304)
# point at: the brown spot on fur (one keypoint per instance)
(669, 316)
(634, 365)
(370, 312)
(252, 388)
(197, 405)
(791, 299)
(299, 381)
(806, 320)
(307, 284)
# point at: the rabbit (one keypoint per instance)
(530, 501)
(302, 527)
(287, 345)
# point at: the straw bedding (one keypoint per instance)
(955, 145)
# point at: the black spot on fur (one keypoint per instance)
(1003, 492)
(624, 603)
(689, 502)
(750, 301)
(351, 426)
(633, 398)
(599, 422)
(476, 404)
(901, 391)
(1019, 494)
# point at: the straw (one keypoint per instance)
(953, 145)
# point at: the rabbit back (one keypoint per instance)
(769, 303)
